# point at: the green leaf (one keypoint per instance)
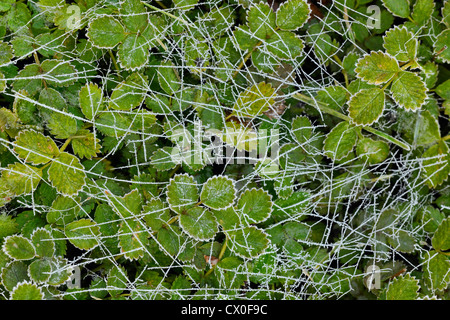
(401, 44)
(63, 210)
(248, 242)
(443, 90)
(58, 73)
(127, 206)
(61, 125)
(156, 214)
(261, 20)
(199, 223)
(372, 151)
(43, 243)
(367, 106)
(105, 32)
(182, 193)
(436, 166)
(6, 53)
(27, 291)
(442, 46)
(163, 158)
(129, 93)
(40, 270)
(91, 100)
(255, 205)
(50, 99)
(29, 79)
(436, 270)
(408, 90)
(168, 77)
(117, 280)
(427, 129)
(285, 45)
(227, 218)
(403, 287)
(422, 11)
(86, 145)
(399, 8)
(133, 15)
(82, 233)
(302, 129)
(133, 52)
(34, 147)
(8, 225)
(376, 68)
(20, 178)
(218, 192)
(446, 13)
(113, 123)
(340, 141)
(132, 239)
(441, 238)
(14, 273)
(402, 241)
(19, 248)
(254, 101)
(67, 174)
(170, 239)
(292, 14)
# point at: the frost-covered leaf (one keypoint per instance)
(408, 90)
(133, 15)
(372, 151)
(422, 11)
(91, 100)
(6, 53)
(182, 193)
(132, 239)
(254, 101)
(285, 45)
(156, 214)
(20, 178)
(14, 273)
(292, 14)
(58, 73)
(126, 206)
(34, 147)
(105, 32)
(436, 166)
(261, 20)
(302, 129)
(63, 210)
(163, 158)
(129, 93)
(441, 238)
(61, 125)
(27, 291)
(366, 106)
(402, 241)
(19, 248)
(436, 270)
(401, 44)
(8, 225)
(117, 280)
(240, 136)
(185, 4)
(340, 141)
(67, 174)
(113, 124)
(199, 223)
(133, 52)
(85, 145)
(255, 205)
(82, 233)
(427, 129)
(377, 68)
(442, 46)
(168, 77)
(43, 243)
(248, 242)
(218, 192)
(39, 270)
(443, 90)
(170, 239)
(403, 288)
(399, 8)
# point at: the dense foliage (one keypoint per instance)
(217, 149)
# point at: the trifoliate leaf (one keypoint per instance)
(43, 243)
(91, 100)
(63, 210)
(254, 101)
(20, 178)
(399, 8)
(19, 248)
(8, 225)
(408, 90)
(340, 141)
(422, 11)
(168, 77)
(61, 125)
(442, 46)
(261, 20)
(436, 166)
(249, 242)
(13, 273)
(105, 32)
(129, 93)
(67, 174)
(403, 288)
(34, 147)
(255, 205)
(132, 239)
(156, 214)
(218, 192)
(367, 106)
(401, 44)
(182, 193)
(292, 14)
(377, 68)
(133, 52)
(285, 45)
(441, 238)
(436, 270)
(27, 291)
(372, 151)
(39, 270)
(85, 144)
(82, 233)
(199, 223)
(302, 129)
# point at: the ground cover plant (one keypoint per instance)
(213, 149)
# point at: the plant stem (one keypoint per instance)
(64, 146)
(344, 72)
(116, 66)
(222, 252)
(324, 108)
(166, 13)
